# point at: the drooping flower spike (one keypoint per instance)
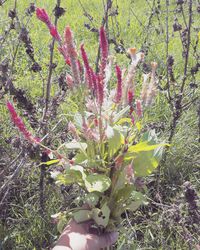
(44, 17)
(20, 124)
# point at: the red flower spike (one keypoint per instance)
(119, 84)
(87, 67)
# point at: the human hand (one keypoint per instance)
(77, 237)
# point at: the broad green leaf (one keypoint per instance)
(145, 163)
(76, 145)
(80, 169)
(137, 200)
(101, 216)
(82, 215)
(92, 199)
(97, 182)
(123, 194)
(134, 205)
(80, 158)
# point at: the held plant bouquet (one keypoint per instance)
(110, 151)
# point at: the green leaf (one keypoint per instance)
(134, 205)
(92, 199)
(73, 175)
(144, 146)
(101, 216)
(62, 221)
(82, 215)
(80, 158)
(97, 182)
(124, 120)
(145, 163)
(123, 194)
(48, 163)
(137, 200)
(115, 142)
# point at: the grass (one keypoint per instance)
(23, 226)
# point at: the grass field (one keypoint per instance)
(23, 225)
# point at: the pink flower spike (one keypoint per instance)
(100, 90)
(104, 50)
(43, 16)
(119, 84)
(54, 32)
(20, 124)
(69, 43)
(69, 81)
(139, 108)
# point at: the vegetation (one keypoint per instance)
(33, 78)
